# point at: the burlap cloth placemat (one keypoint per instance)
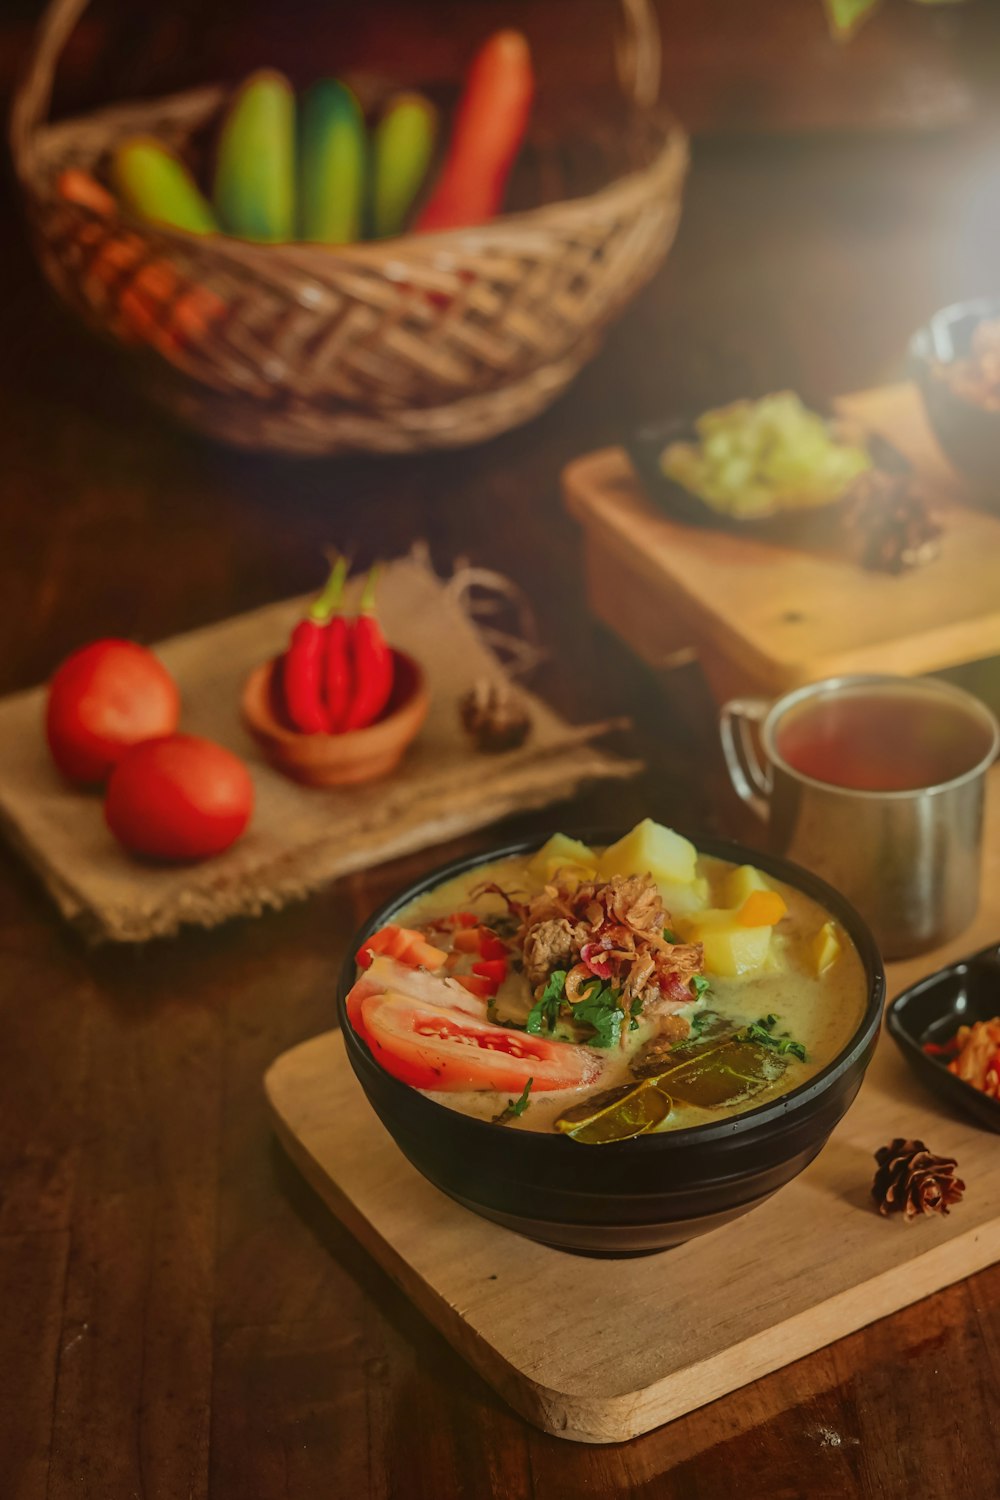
(300, 838)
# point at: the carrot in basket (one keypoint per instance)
(489, 128)
(78, 187)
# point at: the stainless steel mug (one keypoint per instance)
(909, 858)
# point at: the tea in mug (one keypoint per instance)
(870, 739)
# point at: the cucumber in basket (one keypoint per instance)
(333, 150)
(156, 184)
(255, 168)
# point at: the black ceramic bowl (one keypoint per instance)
(630, 1196)
(968, 433)
(818, 526)
(933, 1010)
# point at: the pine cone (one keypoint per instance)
(911, 1180)
(894, 527)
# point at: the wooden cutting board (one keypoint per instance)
(766, 618)
(599, 1351)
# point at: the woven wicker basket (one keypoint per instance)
(418, 342)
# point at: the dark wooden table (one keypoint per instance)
(179, 1316)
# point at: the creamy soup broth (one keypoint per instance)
(820, 1010)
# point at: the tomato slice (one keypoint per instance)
(359, 993)
(432, 1048)
(404, 944)
(436, 989)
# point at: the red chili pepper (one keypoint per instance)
(371, 664)
(950, 1048)
(302, 666)
(338, 675)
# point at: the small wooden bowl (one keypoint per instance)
(337, 759)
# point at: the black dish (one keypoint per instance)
(933, 1010)
(968, 433)
(821, 526)
(638, 1195)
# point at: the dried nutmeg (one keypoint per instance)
(911, 1180)
(494, 717)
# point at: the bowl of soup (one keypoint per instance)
(613, 1044)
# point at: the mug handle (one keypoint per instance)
(752, 782)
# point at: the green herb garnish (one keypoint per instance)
(634, 1012)
(670, 936)
(519, 1105)
(700, 986)
(515, 1108)
(601, 1008)
(544, 1013)
(762, 1032)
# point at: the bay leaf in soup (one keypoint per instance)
(616, 1114)
(731, 1071)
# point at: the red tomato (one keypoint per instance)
(492, 969)
(483, 989)
(105, 698)
(466, 940)
(179, 798)
(402, 943)
(359, 993)
(432, 1048)
(491, 946)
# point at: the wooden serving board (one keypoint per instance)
(684, 1326)
(767, 618)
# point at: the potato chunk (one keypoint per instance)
(560, 852)
(650, 849)
(824, 950)
(741, 883)
(730, 949)
(682, 899)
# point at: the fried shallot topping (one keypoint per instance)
(616, 930)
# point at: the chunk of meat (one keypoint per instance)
(552, 944)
